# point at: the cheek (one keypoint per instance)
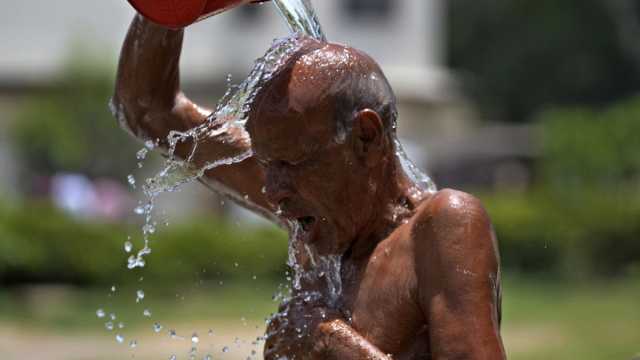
(325, 184)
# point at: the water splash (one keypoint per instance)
(424, 184)
(231, 114)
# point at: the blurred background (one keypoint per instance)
(532, 106)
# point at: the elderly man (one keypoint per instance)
(416, 273)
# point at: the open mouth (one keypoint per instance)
(306, 222)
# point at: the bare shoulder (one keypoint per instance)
(448, 207)
(452, 223)
(457, 267)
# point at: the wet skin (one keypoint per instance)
(420, 271)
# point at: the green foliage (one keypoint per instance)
(583, 215)
(595, 234)
(586, 148)
(524, 55)
(69, 127)
(40, 244)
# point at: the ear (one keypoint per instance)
(368, 136)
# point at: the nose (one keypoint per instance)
(278, 184)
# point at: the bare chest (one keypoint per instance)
(380, 294)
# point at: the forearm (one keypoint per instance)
(337, 340)
(148, 82)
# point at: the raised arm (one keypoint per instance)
(458, 272)
(149, 104)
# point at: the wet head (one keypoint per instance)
(323, 128)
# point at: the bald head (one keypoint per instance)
(330, 79)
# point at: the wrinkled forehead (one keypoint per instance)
(283, 128)
(294, 114)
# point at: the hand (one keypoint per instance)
(293, 332)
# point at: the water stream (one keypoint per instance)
(300, 17)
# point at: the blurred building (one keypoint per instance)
(406, 36)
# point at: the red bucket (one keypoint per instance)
(182, 13)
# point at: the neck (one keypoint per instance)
(396, 200)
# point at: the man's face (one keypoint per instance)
(310, 177)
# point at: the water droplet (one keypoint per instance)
(236, 264)
(149, 144)
(133, 344)
(100, 313)
(120, 325)
(119, 338)
(146, 313)
(225, 349)
(172, 357)
(210, 332)
(139, 210)
(108, 325)
(194, 338)
(208, 357)
(157, 327)
(112, 316)
(132, 181)
(148, 229)
(128, 246)
(142, 154)
(139, 295)
(173, 334)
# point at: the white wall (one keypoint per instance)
(36, 35)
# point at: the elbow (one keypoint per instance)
(120, 113)
(132, 116)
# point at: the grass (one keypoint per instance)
(541, 319)
(555, 320)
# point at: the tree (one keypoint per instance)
(521, 56)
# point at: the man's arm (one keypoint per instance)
(458, 275)
(336, 340)
(149, 104)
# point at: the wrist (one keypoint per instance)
(144, 24)
(326, 335)
(335, 339)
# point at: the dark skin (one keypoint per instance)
(419, 271)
